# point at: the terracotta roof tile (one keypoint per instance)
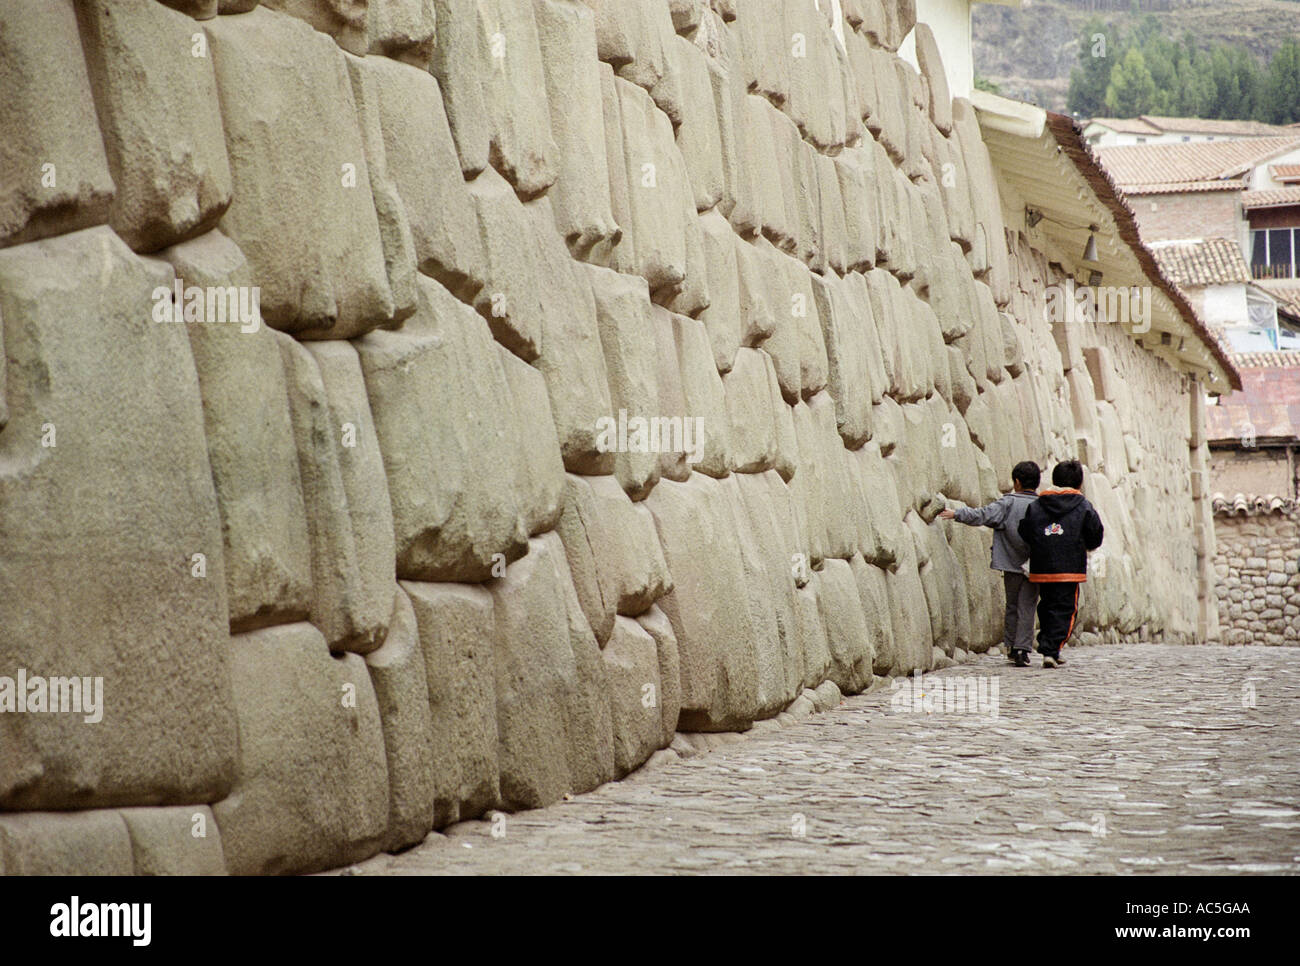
(1271, 197)
(1286, 172)
(1215, 126)
(1249, 506)
(1134, 166)
(1204, 261)
(1268, 404)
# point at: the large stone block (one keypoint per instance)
(940, 100)
(397, 673)
(160, 121)
(631, 665)
(612, 550)
(627, 340)
(656, 624)
(181, 840)
(405, 30)
(106, 498)
(456, 630)
(716, 642)
(61, 843)
(56, 176)
(541, 466)
(722, 317)
(349, 516)
(302, 211)
(738, 203)
(567, 38)
(698, 137)
(554, 729)
(312, 791)
(254, 462)
(873, 593)
(855, 374)
(406, 104)
(909, 612)
(705, 426)
(752, 398)
(443, 414)
(459, 63)
(344, 20)
(637, 39)
(847, 634)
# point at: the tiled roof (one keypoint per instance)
(1286, 172)
(1249, 506)
(1152, 125)
(1203, 261)
(1215, 126)
(1134, 166)
(1268, 405)
(1270, 197)
(1286, 291)
(1069, 138)
(1262, 360)
(1180, 187)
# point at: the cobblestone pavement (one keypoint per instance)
(1131, 759)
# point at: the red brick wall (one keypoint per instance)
(1195, 214)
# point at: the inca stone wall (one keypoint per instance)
(371, 559)
(1257, 580)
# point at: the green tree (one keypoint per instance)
(1280, 103)
(1132, 90)
(1098, 46)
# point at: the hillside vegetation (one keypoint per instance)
(1030, 53)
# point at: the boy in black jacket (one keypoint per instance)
(1060, 528)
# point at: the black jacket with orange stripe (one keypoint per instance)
(1060, 529)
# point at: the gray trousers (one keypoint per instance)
(1022, 598)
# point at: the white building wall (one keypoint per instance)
(950, 21)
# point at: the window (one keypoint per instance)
(1273, 252)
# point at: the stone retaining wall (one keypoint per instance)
(1258, 583)
(368, 563)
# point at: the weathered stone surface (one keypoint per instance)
(61, 843)
(637, 39)
(302, 211)
(56, 174)
(397, 673)
(846, 627)
(612, 551)
(420, 159)
(344, 21)
(163, 139)
(752, 393)
(254, 462)
(541, 467)
(722, 318)
(442, 411)
(873, 593)
(349, 517)
(312, 790)
(706, 428)
(715, 639)
(553, 719)
(82, 483)
(627, 340)
(456, 629)
(698, 137)
(567, 38)
(655, 622)
(405, 30)
(459, 61)
(940, 100)
(181, 840)
(631, 666)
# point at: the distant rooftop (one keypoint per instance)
(1200, 262)
(1185, 165)
(1271, 198)
(1268, 404)
(1152, 125)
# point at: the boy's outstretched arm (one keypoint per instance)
(991, 515)
(1093, 531)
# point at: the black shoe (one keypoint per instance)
(1021, 658)
(1011, 655)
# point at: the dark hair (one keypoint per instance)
(1068, 474)
(1028, 473)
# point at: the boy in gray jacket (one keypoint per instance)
(1011, 555)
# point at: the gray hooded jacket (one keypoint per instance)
(1004, 516)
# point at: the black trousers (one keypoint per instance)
(1058, 606)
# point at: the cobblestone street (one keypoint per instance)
(1131, 759)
